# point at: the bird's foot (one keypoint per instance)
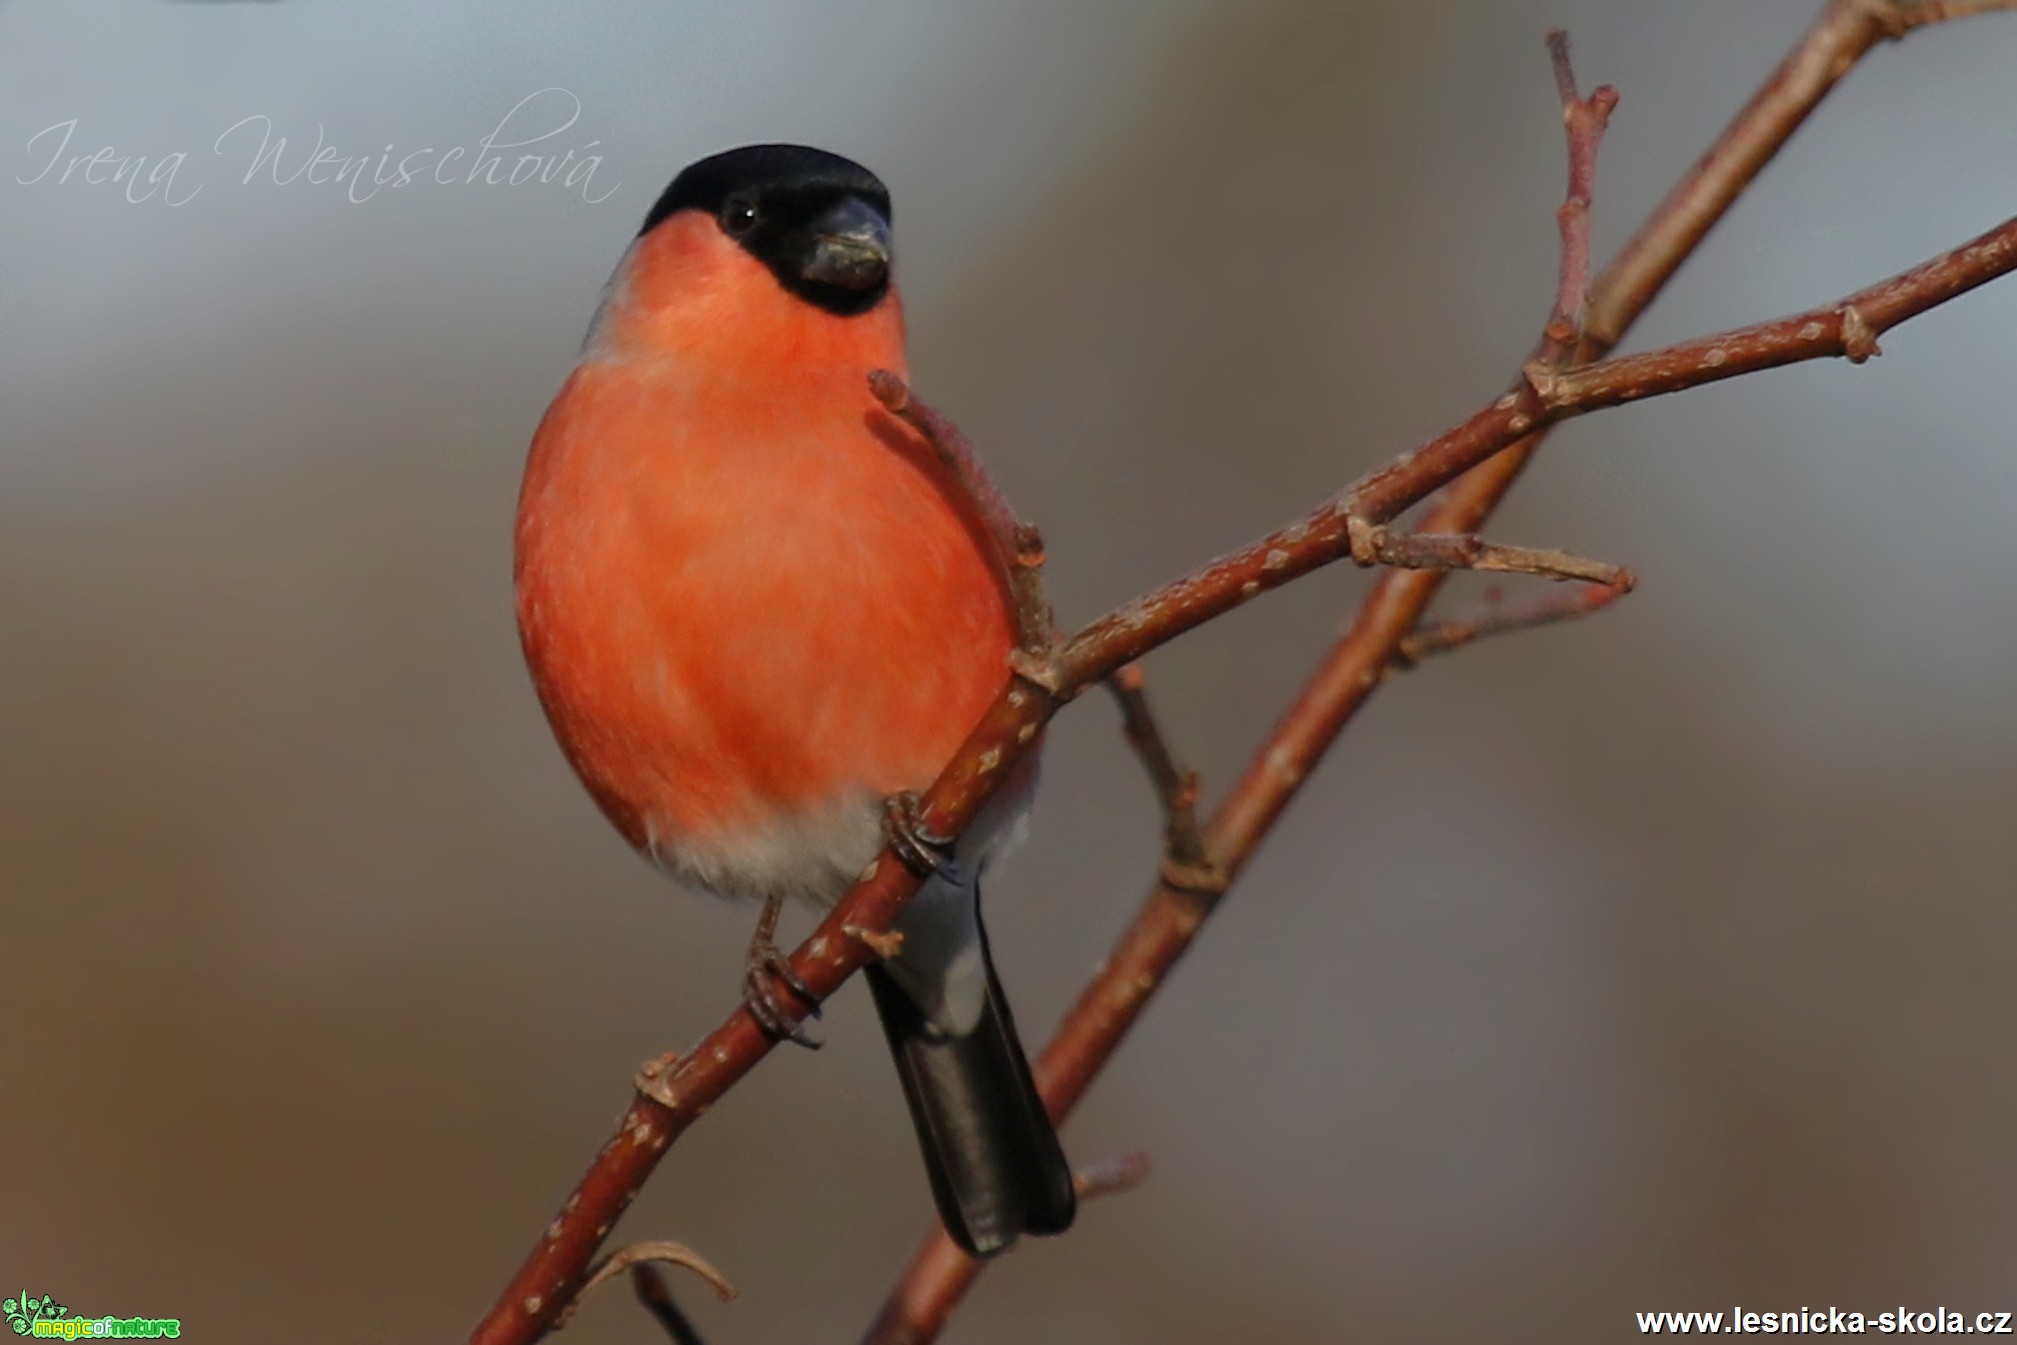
(923, 851)
(764, 970)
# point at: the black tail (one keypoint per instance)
(997, 1170)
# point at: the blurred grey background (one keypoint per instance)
(1661, 961)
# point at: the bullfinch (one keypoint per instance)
(757, 609)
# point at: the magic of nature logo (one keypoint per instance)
(47, 1319)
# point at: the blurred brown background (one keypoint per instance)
(1657, 962)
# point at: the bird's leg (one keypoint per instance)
(924, 852)
(765, 968)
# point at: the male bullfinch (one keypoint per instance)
(756, 609)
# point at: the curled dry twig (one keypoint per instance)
(640, 1254)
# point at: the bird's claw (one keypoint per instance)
(923, 851)
(765, 971)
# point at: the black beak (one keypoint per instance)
(851, 247)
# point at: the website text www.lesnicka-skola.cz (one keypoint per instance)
(1900, 1321)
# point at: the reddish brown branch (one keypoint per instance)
(1843, 34)
(833, 953)
(1372, 543)
(1510, 427)
(1847, 327)
(1583, 122)
(938, 1277)
(682, 1089)
(1920, 13)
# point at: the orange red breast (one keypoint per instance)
(746, 594)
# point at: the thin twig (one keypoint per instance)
(1583, 122)
(1920, 13)
(1500, 617)
(1375, 544)
(1176, 785)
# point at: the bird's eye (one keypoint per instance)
(738, 216)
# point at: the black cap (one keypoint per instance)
(819, 222)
